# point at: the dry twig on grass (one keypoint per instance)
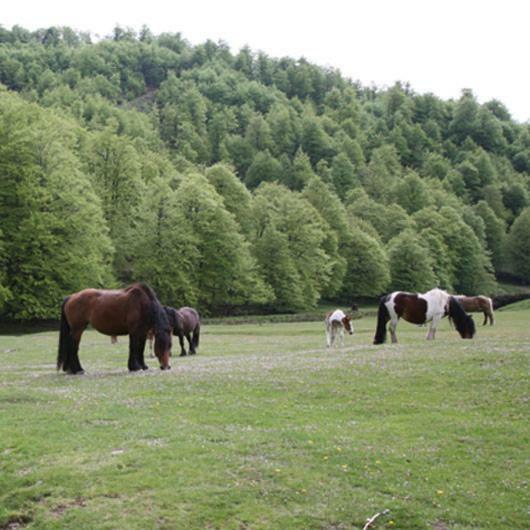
(370, 521)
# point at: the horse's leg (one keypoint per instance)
(151, 338)
(341, 337)
(392, 327)
(328, 335)
(191, 340)
(136, 352)
(485, 318)
(432, 327)
(181, 341)
(141, 349)
(430, 333)
(73, 365)
(191, 348)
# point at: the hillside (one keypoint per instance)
(236, 181)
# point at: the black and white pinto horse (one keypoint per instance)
(416, 308)
(336, 322)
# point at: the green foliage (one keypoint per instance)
(55, 239)
(303, 229)
(495, 233)
(237, 199)
(165, 247)
(411, 193)
(518, 245)
(114, 166)
(367, 271)
(264, 168)
(470, 268)
(410, 264)
(225, 273)
(388, 220)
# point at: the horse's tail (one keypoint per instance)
(65, 340)
(197, 330)
(383, 316)
(196, 335)
(490, 304)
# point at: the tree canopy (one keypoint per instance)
(237, 180)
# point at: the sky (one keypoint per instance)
(436, 46)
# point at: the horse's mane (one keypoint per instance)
(461, 319)
(150, 293)
(172, 316)
(157, 315)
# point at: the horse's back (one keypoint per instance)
(475, 303)
(335, 317)
(106, 310)
(189, 317)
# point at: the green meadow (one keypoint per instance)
(267, 429)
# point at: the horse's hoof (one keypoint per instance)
(165, 367)
(183, 354)
(193, 352)
(145, 367)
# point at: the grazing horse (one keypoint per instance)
(185, 322)
(477, 304)
(131, 311)
(336, 322)
(419, 309)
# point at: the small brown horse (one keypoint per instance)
(185, 322)
(131, 311)
(478, 304)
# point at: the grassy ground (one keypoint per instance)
(265, 429)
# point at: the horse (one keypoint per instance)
(185, 322)
(430, 307)
(477, 304)
(131, 311)
(336, 322)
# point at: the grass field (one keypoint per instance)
(266, 429)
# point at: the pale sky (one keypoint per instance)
(438, 46)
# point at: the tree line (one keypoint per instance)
(236, 181)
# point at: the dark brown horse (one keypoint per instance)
(478, 304)
(185, 322)
(131, 311)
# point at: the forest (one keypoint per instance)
(238, 182)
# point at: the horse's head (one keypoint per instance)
(346, 322)
(163, 347)
(464, 323)
(468, 329)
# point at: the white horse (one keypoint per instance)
(430, 307)
(336, 322)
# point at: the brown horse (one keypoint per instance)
(478, 304)
(131, 311)
(185, 322)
